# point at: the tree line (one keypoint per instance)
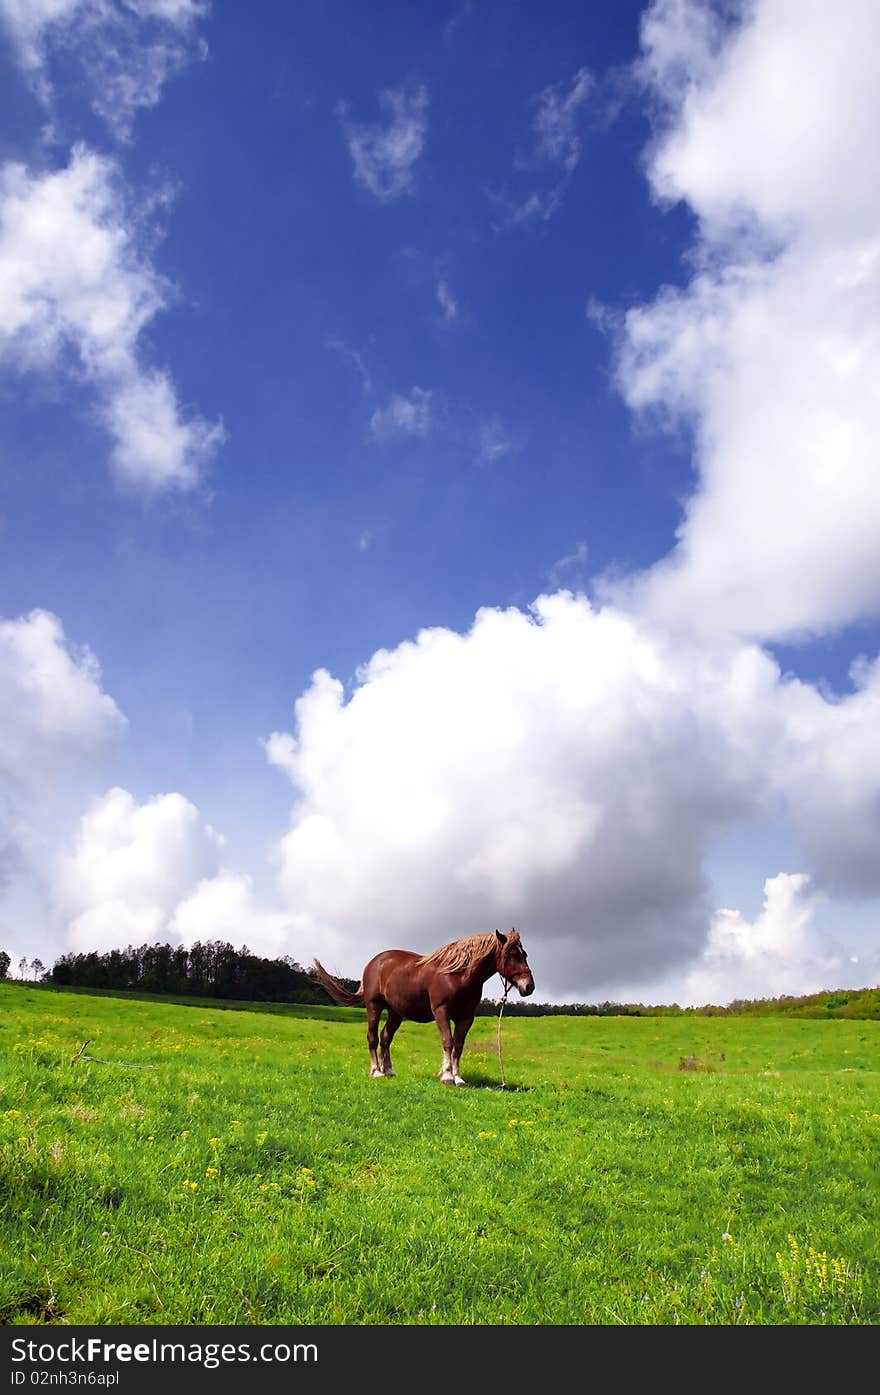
(209, 969)
(215, 969)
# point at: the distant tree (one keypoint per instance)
(62, 970)
(23, 966)
(5, 961)
(38, 969)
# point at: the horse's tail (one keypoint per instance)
(337, 989)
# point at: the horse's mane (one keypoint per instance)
(460, 956)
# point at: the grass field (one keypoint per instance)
(256, 1174)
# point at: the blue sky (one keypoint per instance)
(340, 324)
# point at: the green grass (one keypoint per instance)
(257, 1175)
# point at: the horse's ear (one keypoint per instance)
(502, 939)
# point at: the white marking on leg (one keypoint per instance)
(446, 1071)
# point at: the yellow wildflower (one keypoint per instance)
(210, 1171)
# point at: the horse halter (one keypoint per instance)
(509, 980)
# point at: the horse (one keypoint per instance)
(446, 985)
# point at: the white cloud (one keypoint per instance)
(769, 352)
(546, 771)
(564, 772)
(787, 94)
(129, 866)
(132, 871)
(54, 711)
(155, 449)
(57, 726)
(446, 300)
(128, 49)
(568, 568)
(225, 907)
(73, 282)
(555, 126)
(384, 156)
(135, 873)
(553, 151)
(404, 415)
(780, 952)
(828, 767)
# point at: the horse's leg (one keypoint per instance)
(392, 1022)
(374, 1012)
(441, 1017)
(462, 1027)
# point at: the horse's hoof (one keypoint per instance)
(390, 1074)
(376, 1075)
(459, 1081)
(446, 1080)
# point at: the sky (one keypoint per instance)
(439, 485)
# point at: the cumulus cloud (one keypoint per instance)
(384, 155)
(769, 352)
(155, 449)
(76, 293)
(779, 952)
(226, 907)
(129, 866)
(128, 49)
(404, 415)
(136, 872)
(829, 767)
(564, 771)
(544, 770)
(57, 725)
(54, 710)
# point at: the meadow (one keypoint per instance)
(240, 1167)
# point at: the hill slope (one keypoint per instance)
(216, 1166)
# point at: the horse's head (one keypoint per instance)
(513, 963)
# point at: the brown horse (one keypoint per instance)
(446, 985)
